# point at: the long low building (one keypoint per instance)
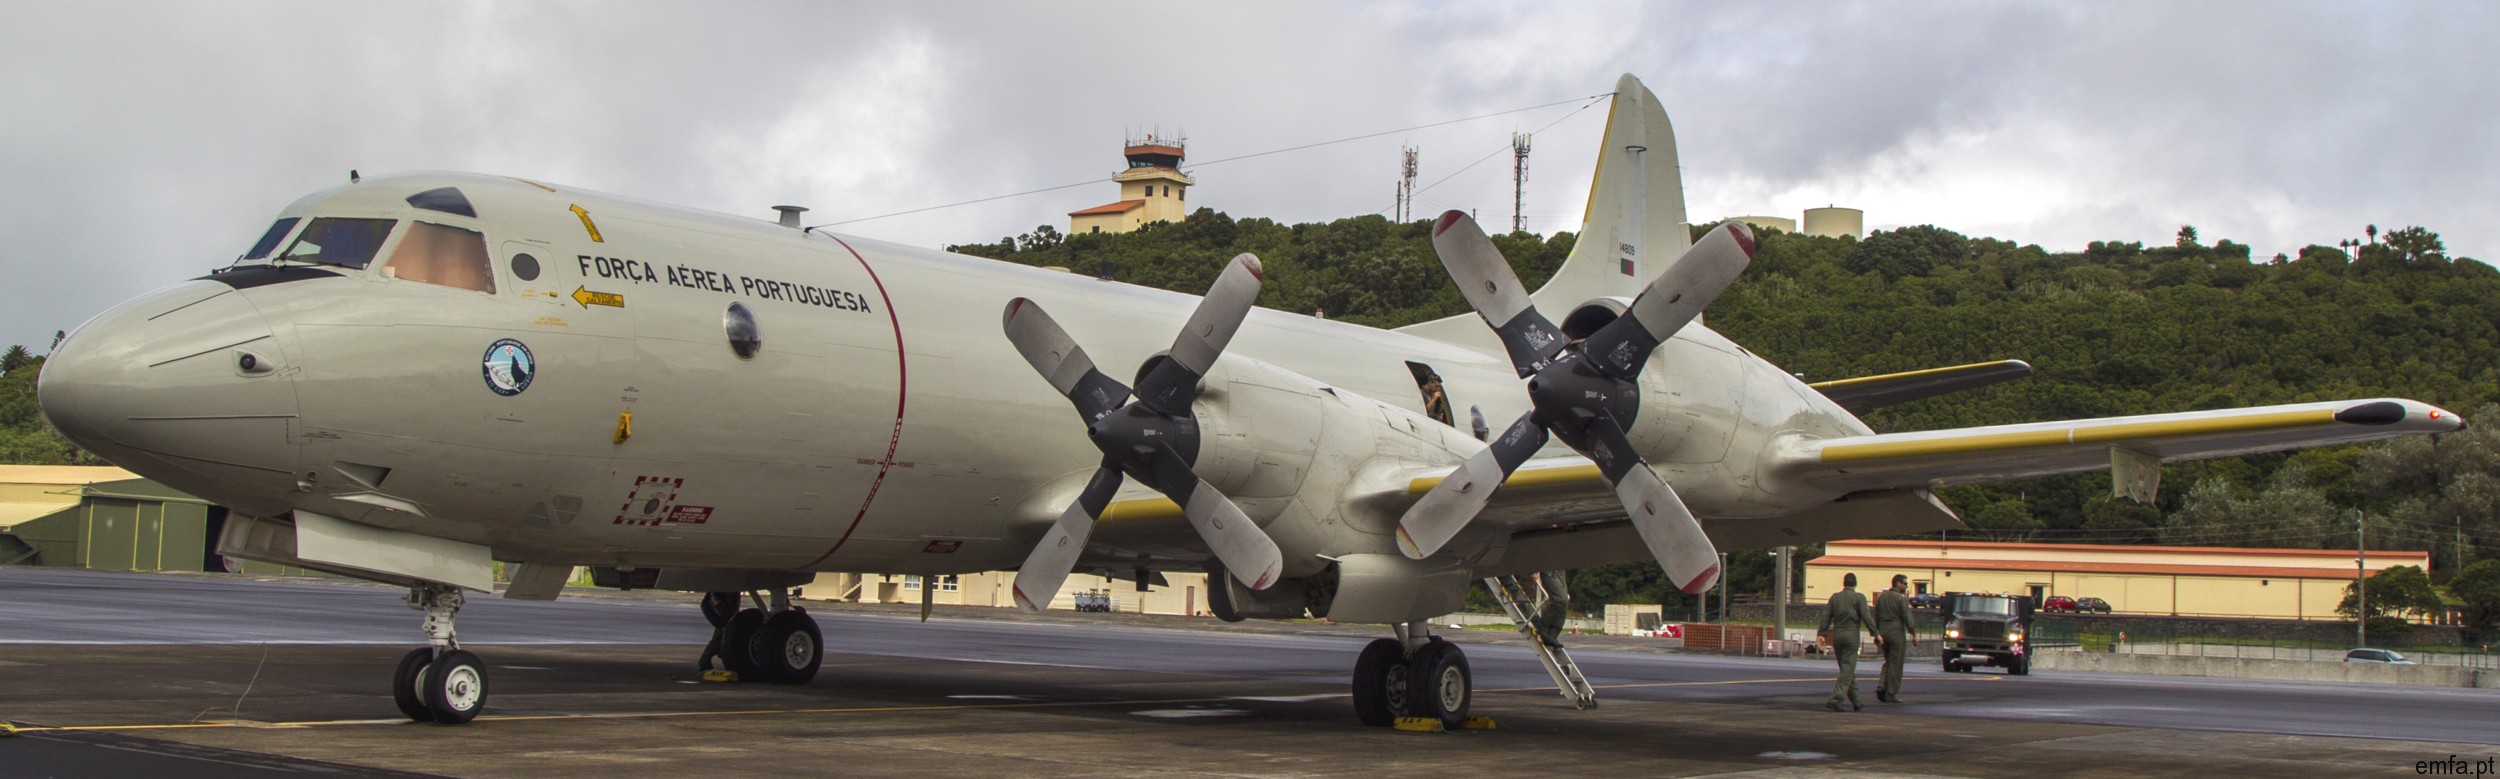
(2185, 581)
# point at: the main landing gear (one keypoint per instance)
(772, 641)
(1416, 674)
(439, 682)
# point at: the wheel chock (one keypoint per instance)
(718, 675)
(1478, 723)
(1419, 724)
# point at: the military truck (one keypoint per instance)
(1983, 629)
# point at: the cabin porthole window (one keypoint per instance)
(745, 337)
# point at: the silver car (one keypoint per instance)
(2380, 656)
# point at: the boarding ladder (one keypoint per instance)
(1515, 600)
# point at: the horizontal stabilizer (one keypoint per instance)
(1868, 393)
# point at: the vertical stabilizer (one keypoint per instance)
(1633, 227)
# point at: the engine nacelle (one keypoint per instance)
(1390, 589)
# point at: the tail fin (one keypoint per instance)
(1634, 224)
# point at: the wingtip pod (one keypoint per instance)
(2412, 414)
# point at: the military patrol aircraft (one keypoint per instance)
(408, 378)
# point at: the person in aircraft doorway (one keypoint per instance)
(1844, 617)
(1436, 400)
(1892, 636)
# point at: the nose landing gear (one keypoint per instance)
(439, 682)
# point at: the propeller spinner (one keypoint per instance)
(1586, 393)
(1153, 438)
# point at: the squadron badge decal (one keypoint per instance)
(509, 367)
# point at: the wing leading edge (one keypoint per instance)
(1938, 458)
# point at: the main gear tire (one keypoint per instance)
(1381, 683)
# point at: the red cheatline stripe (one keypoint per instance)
(902, 394)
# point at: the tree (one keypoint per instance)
(2479, 586)
(2403, 591)
(14, 358)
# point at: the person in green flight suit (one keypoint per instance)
(1892, 635)
(1844, 617)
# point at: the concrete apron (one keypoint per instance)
(2256, 668)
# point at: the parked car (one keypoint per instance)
(2058, 603)
(2376, 656)
(2094, 605)
(1926, 600)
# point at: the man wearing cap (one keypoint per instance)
(1892, 636)
(1844, 617)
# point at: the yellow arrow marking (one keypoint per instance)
(587, 298)
(586, 225)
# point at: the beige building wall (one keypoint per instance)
(1185, 595)
(2182, 581)
(1836, 222)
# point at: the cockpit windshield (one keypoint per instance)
(342, 241)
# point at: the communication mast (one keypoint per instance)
(1406, 187)
(1518, 182)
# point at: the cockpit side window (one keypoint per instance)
(269, 241)
(437, 254)
(342, 241)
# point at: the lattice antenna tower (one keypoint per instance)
(1518, 181)
(1406, 186)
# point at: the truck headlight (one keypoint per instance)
(1953, 631)
(2016, 634)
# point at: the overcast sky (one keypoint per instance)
(143, 143)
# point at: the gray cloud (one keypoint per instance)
(148, 142)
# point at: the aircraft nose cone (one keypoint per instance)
(186, 385)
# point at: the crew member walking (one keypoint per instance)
(1892, 635)
(1844, 617)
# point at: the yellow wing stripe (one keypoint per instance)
(1846, 383)
(1570, 474)
(2134, 431)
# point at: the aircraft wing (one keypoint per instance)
(1867, 393)
(1937, 458)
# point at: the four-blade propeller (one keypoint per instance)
(1153, 438)
(1584, 392)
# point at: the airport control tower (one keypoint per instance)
(1152, 189)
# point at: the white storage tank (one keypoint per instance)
(1835, 222)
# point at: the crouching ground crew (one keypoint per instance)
(1892, 635)
(1844, 617)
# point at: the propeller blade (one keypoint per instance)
(1038, 580)
(1173, 383)
(1245, 550)
(1447, 508)
(1057, 357)
(1495, 292)
(1673, 534)
(1672, 300)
